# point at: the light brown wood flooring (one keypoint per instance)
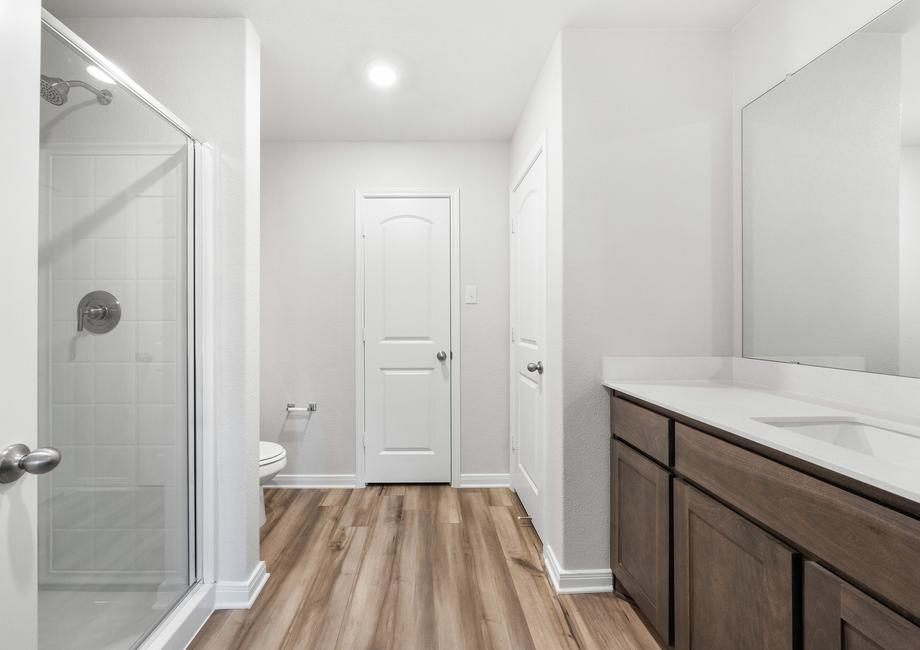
(412, 566)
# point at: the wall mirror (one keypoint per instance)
(831, 206)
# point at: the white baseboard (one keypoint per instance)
(241, 595)
(576, 581)
(313, 481)
(181, 625)
(485, 480)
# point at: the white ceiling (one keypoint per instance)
(467, 65)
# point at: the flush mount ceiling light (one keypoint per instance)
(382, 74)
(97, 73)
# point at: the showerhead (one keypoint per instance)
(54, 91)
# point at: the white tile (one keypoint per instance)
(157, 466)
(70, 345)
(115, 550)
(115, 383)
(72, 508)
(115, 508)
(116, 424)
(155, 508)
(65, 296)
(72, 175)
(157, 175)
(77, 468)
(156, 300)
(151, 551)
(117, 345)
(73, 260)
(125, 292)
(72, 424)
(115, 217)
(157, 339)
(72, 550)
(156, 259)
(157, 216)
(72, 383)
(156, 424)
(115, 466)
(114, 175)
(156, 383)
(70, 215)
(116, 259)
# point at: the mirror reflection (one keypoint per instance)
(831, 199)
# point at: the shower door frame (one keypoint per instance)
(182, 620)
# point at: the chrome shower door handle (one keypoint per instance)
(535, 367)
(17, 460)
(442, 356)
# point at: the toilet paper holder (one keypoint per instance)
(309, 408)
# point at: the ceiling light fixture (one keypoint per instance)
(98, 73)
(382, 74)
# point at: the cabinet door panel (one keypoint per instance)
(733, 581)
(640, 533)
(837, 615)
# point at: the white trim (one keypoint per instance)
(485, 480)
(183, 623)
(455, 306)
(300, 481)
(241, 595)
(576, 581)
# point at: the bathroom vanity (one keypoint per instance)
(741, 518)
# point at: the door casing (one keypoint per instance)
(453, 195)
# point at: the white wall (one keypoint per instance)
(647, 231)
(542, 118)
(20, 41)
(207, 72)
(308, 293)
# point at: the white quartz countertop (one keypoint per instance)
(732, 407)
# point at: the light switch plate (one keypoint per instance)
(470, 294)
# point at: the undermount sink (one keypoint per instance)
(889, 445)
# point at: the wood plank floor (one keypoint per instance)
(413, 566)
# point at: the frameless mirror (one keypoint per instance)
(831, 205)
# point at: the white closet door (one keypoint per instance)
(407, 360)
(528, 314)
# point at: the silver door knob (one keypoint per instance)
(535, 367)
(16, 460)
(442, 355)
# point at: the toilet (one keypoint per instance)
(272, 459)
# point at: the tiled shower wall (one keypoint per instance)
(115, 403)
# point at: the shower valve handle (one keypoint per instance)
(98, 312)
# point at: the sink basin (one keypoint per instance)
(896, 447)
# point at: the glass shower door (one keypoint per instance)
(115, 533)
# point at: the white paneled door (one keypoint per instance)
(407, 339)
(528, 320)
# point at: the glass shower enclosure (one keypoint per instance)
(116, 354)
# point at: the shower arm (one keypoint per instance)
(92, 89)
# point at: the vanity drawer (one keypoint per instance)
(877, 547)
(643, 429)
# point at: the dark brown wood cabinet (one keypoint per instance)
(640, 533)
(733, 582)
(645, 430)
(837, 615)
(707, 536)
